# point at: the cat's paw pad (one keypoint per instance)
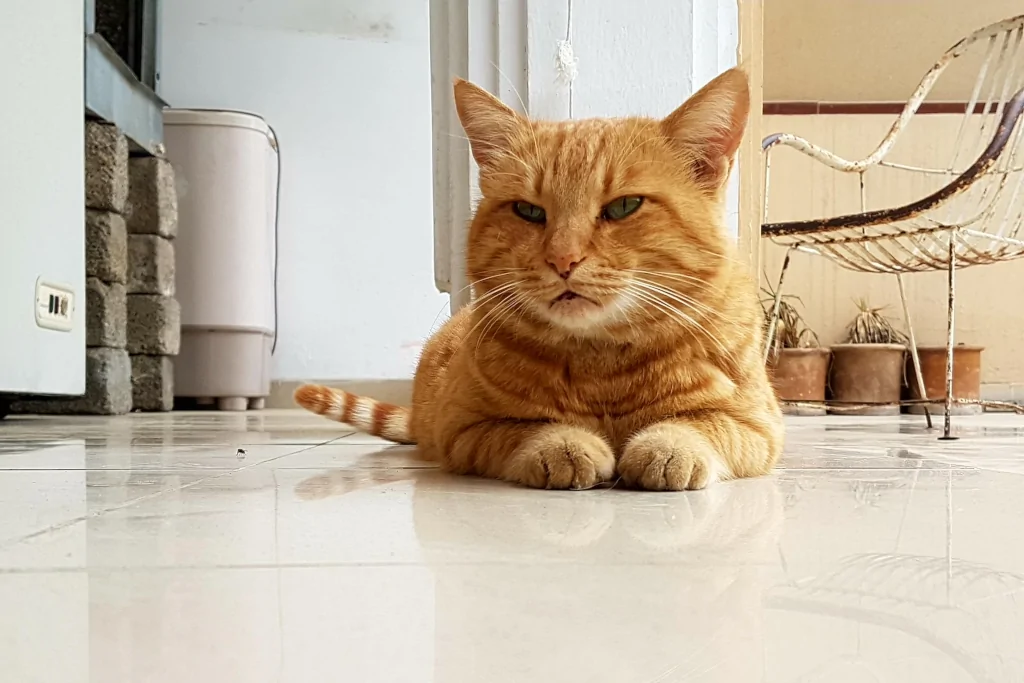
(562, 457)
(669, 458)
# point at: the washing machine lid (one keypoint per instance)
(215, 117)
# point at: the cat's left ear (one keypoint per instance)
(709, 126)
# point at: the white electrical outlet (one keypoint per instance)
(55, 306)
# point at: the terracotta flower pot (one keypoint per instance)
(800, 375)
(867, 374)
(966, 377)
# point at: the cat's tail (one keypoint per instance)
(385, 420)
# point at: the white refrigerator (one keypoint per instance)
(42, 199)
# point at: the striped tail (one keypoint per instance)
(385, 420)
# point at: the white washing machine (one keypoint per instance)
(227, 169)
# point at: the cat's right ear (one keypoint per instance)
(489, 124)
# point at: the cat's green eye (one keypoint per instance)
(529, 212)
(621, 207)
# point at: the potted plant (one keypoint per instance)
(798, 366)
(867, 368)
(966, 378)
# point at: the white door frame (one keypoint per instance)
(486, 42)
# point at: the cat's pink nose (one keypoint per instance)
(564, 264)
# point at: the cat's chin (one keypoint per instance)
(577, 314)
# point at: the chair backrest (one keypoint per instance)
(993, 204)
(1000, 50)
(968, 193)
(991, 62)
(993, 55)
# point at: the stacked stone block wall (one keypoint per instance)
(154, 317)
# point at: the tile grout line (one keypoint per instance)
(369, 564)
(156, 494)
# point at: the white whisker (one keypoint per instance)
(681, 277)
(505, 273)
(677, 296)
(526, 111)
(497, 291)
(503, 311)
(674, 313)
(693, 304)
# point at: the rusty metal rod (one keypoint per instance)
(918, 373)
(947, 427)
(839, 407)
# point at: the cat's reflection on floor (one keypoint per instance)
(607, 584)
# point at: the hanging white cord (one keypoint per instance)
(565, 59)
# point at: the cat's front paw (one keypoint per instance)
(669, 457)
(562, 457)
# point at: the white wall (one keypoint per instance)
(42, 192)
(649, 65)
(869, 50)
(346, 85)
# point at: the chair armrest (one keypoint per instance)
(817, 153)
(838, 163)
(1012, 116)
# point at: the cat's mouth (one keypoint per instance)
(577, 312)
(570, 302)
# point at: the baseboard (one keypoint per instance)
(397, 391)
(1001, 391)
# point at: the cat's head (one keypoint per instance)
(593, 225)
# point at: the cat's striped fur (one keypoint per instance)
(373, 417)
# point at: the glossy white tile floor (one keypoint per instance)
(149, 549)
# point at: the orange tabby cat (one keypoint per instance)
(614, 334)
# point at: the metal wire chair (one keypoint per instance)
(974, 216)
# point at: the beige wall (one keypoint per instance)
(867, 50)
(990, 308)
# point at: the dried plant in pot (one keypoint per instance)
(966, 378)
(797, 364)
(867, 369)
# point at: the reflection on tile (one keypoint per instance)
(168, 429)
(875, 553)
(352, 453)
(114, 454)
(44, 513)
(994, 441)
(44, 635)
(299, 624)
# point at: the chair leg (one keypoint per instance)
(947, 427)
(918, 373)
(774, 322)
